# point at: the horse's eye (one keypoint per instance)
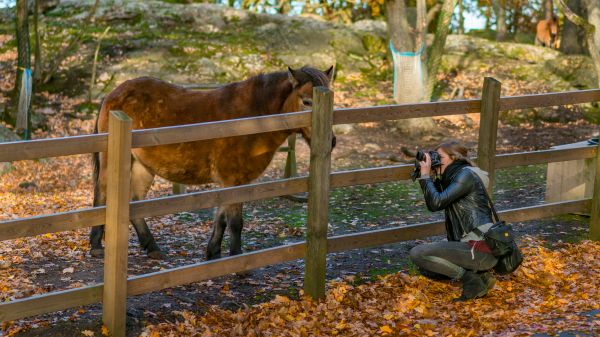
(307, 102)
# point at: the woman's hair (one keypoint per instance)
(456, 151)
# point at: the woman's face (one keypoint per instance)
(445, 159)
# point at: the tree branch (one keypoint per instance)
(576, 19)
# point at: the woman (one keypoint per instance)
(461, 193)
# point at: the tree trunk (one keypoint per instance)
(516, 17)
(548, 9)
(23, 59)
(37, 72)
(500, 11)
(439, 41)
(593, 17)
(572, 40)
(589, 32)
(398, 27)
(461, 18)
(488, 18)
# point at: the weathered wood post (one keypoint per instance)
(290, 162)
(318, 192)
(179, 188)
(488, 128)
(595, 210)
(117, 223)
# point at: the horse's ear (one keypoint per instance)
(292, 77)
(329, 73)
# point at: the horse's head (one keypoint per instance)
(303, 81)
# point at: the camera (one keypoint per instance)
(436, 161)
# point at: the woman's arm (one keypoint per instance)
(458, 188)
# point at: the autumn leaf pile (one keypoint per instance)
(552, 291)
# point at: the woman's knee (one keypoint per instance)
(417, 253)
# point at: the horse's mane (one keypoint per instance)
(269, 91)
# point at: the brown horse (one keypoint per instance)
(232, 161)
(547, 33)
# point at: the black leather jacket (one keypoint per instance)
(462, 197)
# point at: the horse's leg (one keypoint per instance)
(213, 249)
(235, 221)
(141, 181)
(97, 232)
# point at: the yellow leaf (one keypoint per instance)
(105, 331)
(385, 329)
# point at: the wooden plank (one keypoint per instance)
(411, 232)
(114, 308)
(372, 175)
(404, 111)
(488, 128)
(37, 225)
(45, 148)
(595, 207)
(549, 99)
(210, 269)
(54, 301)
(208, 199)
(318, 193)
(545, 210)
(385, 236)
(219, 129)
(544, 156)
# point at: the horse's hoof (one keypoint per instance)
(97, 252)
(213, 256)
(156, 255)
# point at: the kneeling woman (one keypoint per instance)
(461, 193)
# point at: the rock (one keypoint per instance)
(372, 147)
(416, 127)
(371, 26)
(343, 129)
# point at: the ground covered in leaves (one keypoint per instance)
(555, 289)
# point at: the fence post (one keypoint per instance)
(179, 188)
(117, 223)
(595, 210)
(488, 128)
(290, 161)
(318, 193)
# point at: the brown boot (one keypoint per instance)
(473, 287)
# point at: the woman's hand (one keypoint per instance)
(426, 166)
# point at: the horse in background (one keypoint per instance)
(547, 33)
(230, 161)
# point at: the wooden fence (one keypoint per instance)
(116, 214)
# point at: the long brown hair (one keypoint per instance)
(456, 151)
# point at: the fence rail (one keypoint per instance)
(44, 148)
(72, 220)
(114, 291)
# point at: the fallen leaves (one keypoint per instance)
(548, 293)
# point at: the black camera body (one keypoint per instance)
(436, 161)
